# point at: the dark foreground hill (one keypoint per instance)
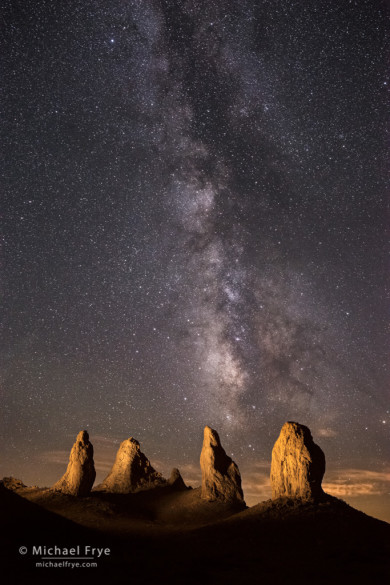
(163, 537)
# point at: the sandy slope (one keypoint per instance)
(162, 536)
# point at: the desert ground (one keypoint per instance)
(169, 536)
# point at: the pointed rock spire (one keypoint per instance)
(131, 471)
(221, 478)
(176, 480)
(298, 464)
(80, 474)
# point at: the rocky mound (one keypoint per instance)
(176, 481)
(221, 478)
(11, 483)
(298, 464)
(131, 471)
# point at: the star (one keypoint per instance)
(186, 217)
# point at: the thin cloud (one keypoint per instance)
(103, 464)
(357, 482)
(327, 432)
(191, 474)
(105, 440)
(256, 483)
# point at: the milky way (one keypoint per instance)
(194, 226)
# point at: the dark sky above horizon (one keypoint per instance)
(194, 226)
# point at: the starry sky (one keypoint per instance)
(194, 232)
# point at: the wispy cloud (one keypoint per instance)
(357, 482)
(61, 458)
(344, 482)
(256, 483)
(56, 457)
(191, 474)
(326, 432)
(101, 439)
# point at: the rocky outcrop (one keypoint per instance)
(12, 483)
(298, 464)
(176, 480)
(131, 471)
(221, 478)
(80, 474)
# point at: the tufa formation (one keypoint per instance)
(176, 481)
(12, 483)
(131, 471)
(80, 474)
(298, 464)
(221, 478)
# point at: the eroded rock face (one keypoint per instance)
(298, 464)
(80, 474)
(131, 471)
(12, 483)
(176, 480)
(221, 478)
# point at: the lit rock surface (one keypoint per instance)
(80, 474)
(298, 464)
(131, 471)
(12, 483)
(221, 478)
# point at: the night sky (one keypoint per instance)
(194, 232)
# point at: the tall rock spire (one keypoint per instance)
(298, 464)
(221, 478)
(80, 474)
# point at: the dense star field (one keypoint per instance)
(194, 232)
